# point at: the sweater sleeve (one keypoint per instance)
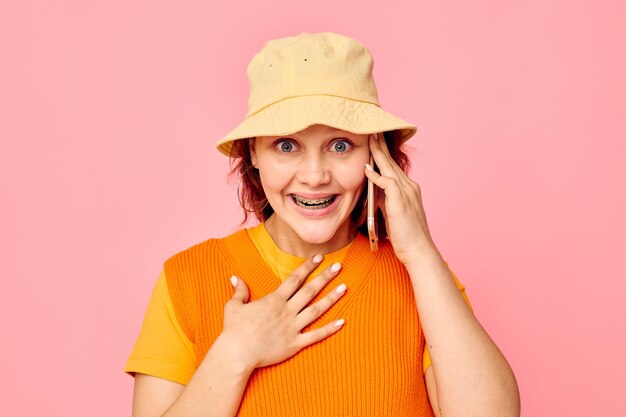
(162, 348)
(427, 362)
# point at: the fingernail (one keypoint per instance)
(369, 167)
(317, 259)
(339, 323)
(341, 288)
(335, 267)
(233, 280)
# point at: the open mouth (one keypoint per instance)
(313, 204)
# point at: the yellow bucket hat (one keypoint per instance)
(313, 78)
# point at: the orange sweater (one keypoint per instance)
(371, 367)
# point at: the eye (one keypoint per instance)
(285, 145)
(342, 145)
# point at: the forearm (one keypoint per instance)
(216, 388)
(472, 376)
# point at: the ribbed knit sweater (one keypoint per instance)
(371, 367)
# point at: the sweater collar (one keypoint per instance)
(261, 280)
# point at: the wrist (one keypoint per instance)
(425, 254)
(232, 355)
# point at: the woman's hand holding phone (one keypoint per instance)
(401, 205)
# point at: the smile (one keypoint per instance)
(314, 204)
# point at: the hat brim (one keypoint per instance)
(297, 113)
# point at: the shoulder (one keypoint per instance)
(382, 265)
(198, 264)
(199, 270)
(386, 258)
(208, 248)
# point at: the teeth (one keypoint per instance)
(309, 201)
(315, 204)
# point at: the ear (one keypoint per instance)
(251, 147)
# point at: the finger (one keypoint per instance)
(242, 293)
(310, 290)
(389, 184)
(297, 277)
(313, 312)
(384, 161)
(314, 336)
(381, 145)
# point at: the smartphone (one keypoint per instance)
(371, 211)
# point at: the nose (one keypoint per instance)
(313, 170)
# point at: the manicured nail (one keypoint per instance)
(233, 280)
(341, 288)
(317, 259)
(335, 267)
(339, 323)
(369, 167)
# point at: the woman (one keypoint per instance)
(284, 342)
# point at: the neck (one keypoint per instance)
(289, 242)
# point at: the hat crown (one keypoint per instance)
(310, 64)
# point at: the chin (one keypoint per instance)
(316, 235)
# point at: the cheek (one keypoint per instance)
(274, 180)
(354, 184)
(351, 176)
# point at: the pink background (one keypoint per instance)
(109, 112)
